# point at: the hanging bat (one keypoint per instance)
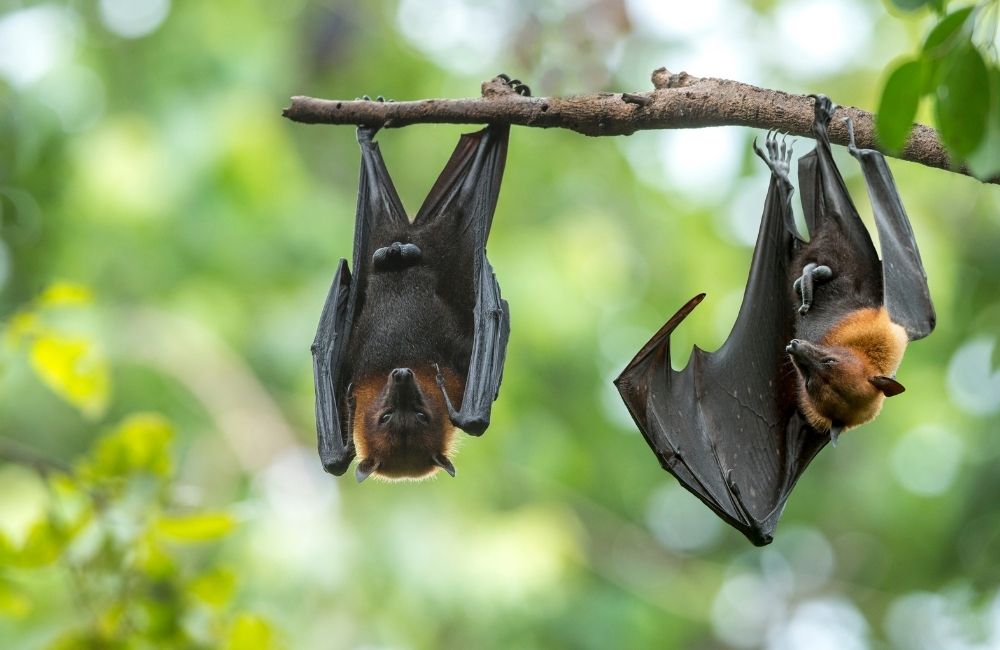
(412, 345)
(819, 334)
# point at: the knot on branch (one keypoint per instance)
(663, 79)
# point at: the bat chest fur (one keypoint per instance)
(405, 323)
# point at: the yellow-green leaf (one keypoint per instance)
(152, 559)
(141, 443)
(214, 588)
(250, 632)
(200, 527)
(42, 546)
(63, 294)
(13, 604)
(75, 369)
(21, 327)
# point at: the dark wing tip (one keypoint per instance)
(337, 466)
(758, 536)
(661, 336)
(475, 426)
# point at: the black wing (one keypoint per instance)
(462, 203)
(827, 205)
(335, 452)
(906, 295)
(727, 426)
(378, 207)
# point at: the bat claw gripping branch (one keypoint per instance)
(366, 132)
(516, 85)
(824, 109)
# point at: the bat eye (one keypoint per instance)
(422, 416)
(829, 361)
(385, 418)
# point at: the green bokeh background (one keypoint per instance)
(156, 170)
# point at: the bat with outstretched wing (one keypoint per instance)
(737, 427)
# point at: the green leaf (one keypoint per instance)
(898, 107)
(963, 100)
(198, 527)
(214, 588)
(74, 368)
(984, 162)
(943, 37)
(22, 327)
(909, 5)
(140, 444)
(41, 547)
(64, 294)
(13, 603)
(250, 632)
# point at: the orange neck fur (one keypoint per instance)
(405, 455)
(868, 344)
(871, 334)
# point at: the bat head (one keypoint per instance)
(401, 426)
(839, 386)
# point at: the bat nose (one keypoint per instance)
(793, 345)
(401, 374)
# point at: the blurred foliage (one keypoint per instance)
(71, 365)
(166, 243)
(108, 530)
(958, 69)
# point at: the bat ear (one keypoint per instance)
(887, 385)
(835, 431)
(442, 461)
(365, 469)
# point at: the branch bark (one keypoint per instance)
(678, 101)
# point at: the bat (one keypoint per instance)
(411, 346)
(820, 331)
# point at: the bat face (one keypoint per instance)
(839, 386)
(401, 426)
(834, 387)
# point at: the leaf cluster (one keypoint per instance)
(956, 70)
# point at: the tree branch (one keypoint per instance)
(678, 101)
(14, 452)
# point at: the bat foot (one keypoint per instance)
(852, 146)
(778, 157)
(824, 109)
(366, 132)
(811, 274)
(516, 85)
(396, 257)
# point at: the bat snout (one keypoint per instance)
(401, 375)
(402, 391)
(805, 355)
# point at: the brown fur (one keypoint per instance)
(866, 344)
(405, 454)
